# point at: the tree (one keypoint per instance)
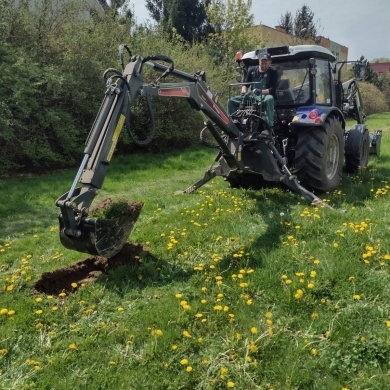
(185, 17)
(286, 21)
(304, 26)
(370, 76)
(231, 21)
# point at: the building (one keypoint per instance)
(380, 67)
(278, 37)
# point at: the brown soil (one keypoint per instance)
(86, 271)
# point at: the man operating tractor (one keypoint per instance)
(262, 80)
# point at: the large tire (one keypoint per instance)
(319, 156)
(357, 150)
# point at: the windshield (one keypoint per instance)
(293, 83)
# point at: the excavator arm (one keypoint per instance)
(78, 231)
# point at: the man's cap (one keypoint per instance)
(264, 56)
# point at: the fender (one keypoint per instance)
(315, 116)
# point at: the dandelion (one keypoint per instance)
(3, 311)
(356, 297)
(38, 300)
(268, 315)
(188, 368)
(120, 308)
(310, 285)
(73, 346)
(38, 312)
(230, 384)
(3, 352)
(298, 294)
(253, 348)
(178, 296)
(313, 352)
(174, 347)
(187, 334)
(254, 330)
(314, 316)
(74, 285)
(157, 332)
(184, 362)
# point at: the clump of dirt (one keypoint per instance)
(87, 271)
(108, 208)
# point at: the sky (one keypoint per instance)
(361, 25)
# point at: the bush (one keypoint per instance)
(373, 99)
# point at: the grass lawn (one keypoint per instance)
(238, 289)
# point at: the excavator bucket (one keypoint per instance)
(102, 237)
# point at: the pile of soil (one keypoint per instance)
(86, 271)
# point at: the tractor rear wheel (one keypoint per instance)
(357, 150)
(319, 156)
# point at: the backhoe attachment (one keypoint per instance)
(79, 231)
(247, 154)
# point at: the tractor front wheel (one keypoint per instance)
(357, 150)
(319, 156)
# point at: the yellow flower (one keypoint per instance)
(224, 370)
(268, 315)
(356, 297)
(253, 330)
(313, 352)
(38, 312)
(3, 351)
(74, 285)
(188, 368)
(187, 334)
(298, 294)
(120, 308)
(174, 347)
(72, 346)
(253, 348)
(230, 384)
(39, 299)
(184, 362)
(178, 295)
(3, 311)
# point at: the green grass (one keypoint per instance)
(243, 288)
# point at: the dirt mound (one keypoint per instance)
(86, 271)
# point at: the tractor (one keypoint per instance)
(303, 151)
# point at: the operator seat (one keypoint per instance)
(284, 94)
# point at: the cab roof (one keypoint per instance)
(287, 53)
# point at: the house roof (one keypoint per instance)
(380, 67)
